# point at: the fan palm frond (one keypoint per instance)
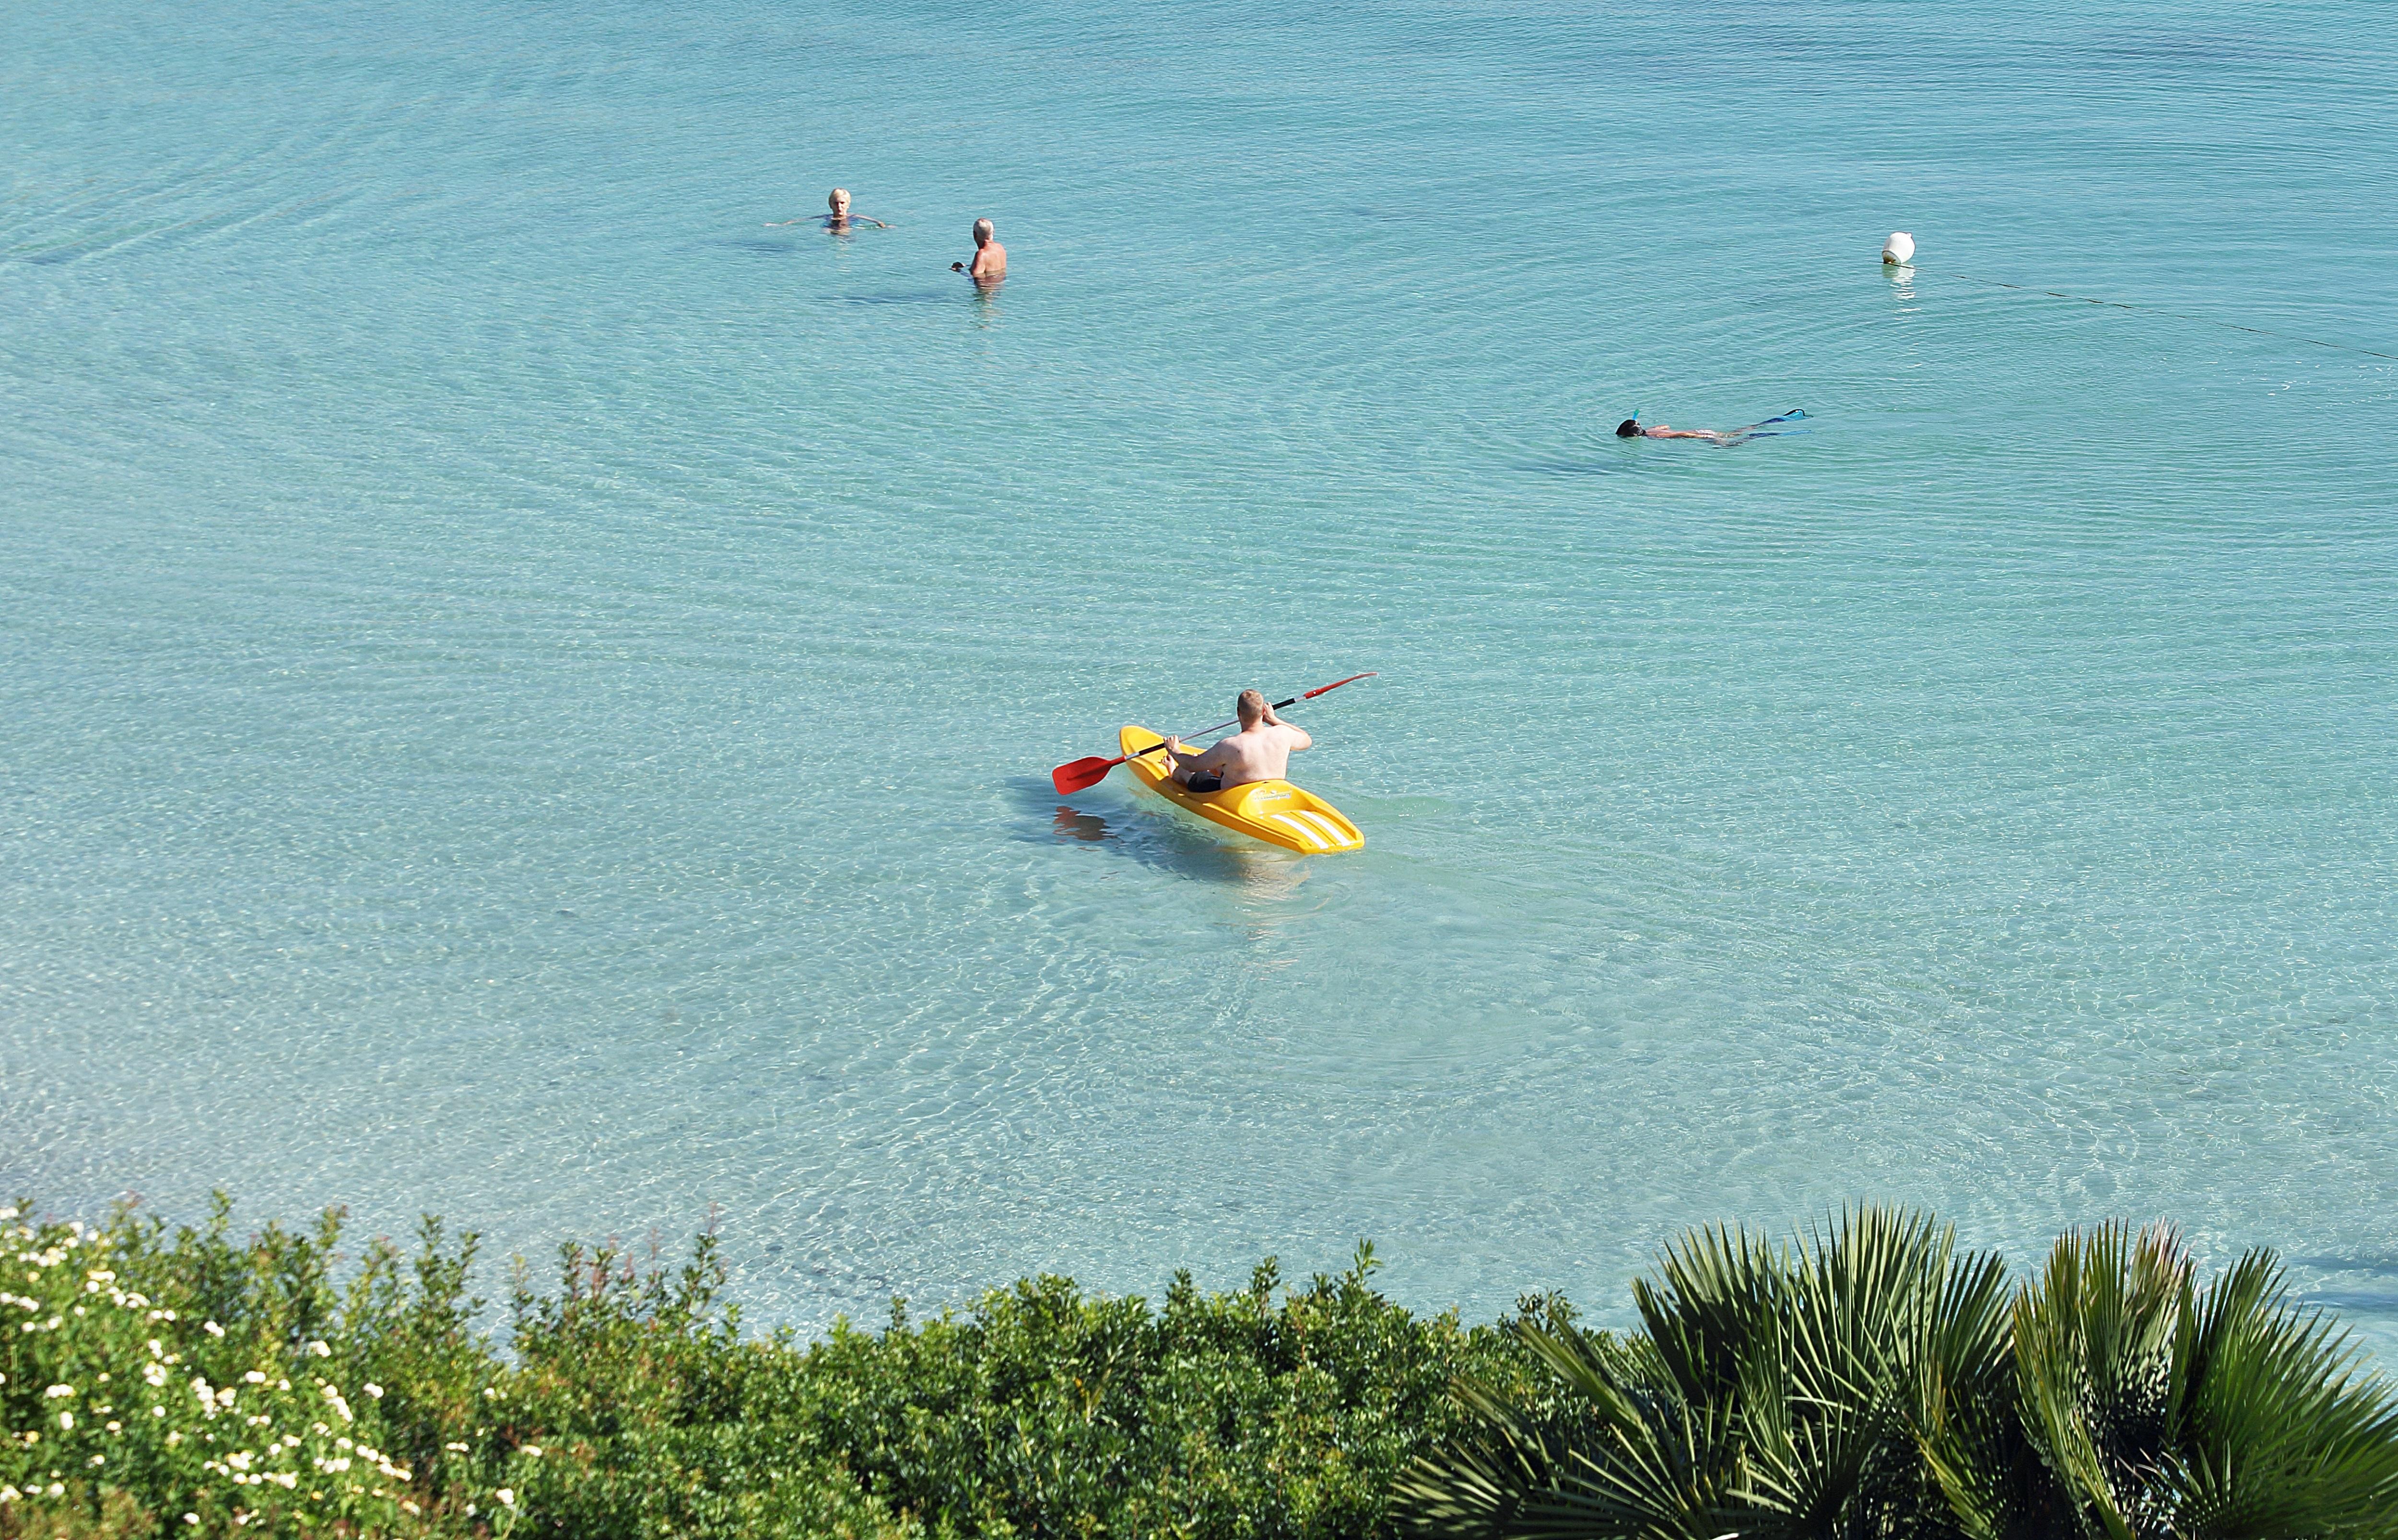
(1811, 1389)
(2228, 1413)
(1870, 1381)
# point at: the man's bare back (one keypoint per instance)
(989, 258)
(1260, 750)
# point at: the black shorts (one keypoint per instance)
(1205, 783)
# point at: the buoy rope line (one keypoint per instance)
(2180, 316)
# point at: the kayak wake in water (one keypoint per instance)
(1631, 428)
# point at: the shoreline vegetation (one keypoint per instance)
(1864, 1378)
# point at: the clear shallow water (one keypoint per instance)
(530, 695)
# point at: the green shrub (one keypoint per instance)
(1048, 1411)
(216, 1385)
(638, 1411)
(1870, 1381)
(632, 1405)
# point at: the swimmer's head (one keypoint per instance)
(838, 201)
(1628, 428)
(983, 232)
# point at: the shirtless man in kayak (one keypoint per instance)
(1260, 750)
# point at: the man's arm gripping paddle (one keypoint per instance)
(1086, 772)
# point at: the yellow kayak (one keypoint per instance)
(1275, 811)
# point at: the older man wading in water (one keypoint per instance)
(989, 259)
(1260, 750)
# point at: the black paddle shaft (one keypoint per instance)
(1161, 743)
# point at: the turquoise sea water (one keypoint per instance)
(531, 694)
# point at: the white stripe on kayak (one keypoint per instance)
(1310, 835)
(1332, 830)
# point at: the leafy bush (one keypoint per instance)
(1870, 1381)
(1047, 1412)
(216, 1385)
(634, 1407)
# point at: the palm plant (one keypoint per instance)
(2161, 1409)
(1872, 1380)
(1831, 1389)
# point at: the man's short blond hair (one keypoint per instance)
(1251, 705)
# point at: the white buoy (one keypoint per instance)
(1899, 250)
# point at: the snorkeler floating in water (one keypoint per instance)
(1631, 428)
(840, 218)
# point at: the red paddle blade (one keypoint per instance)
(1081, 773)
(1335, 685)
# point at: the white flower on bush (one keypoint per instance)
(211, 1327)
(58, 1390)
(66, 1419)
(507, 1497)
(322, 1350)
(255, 1377)
(373, 1389)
